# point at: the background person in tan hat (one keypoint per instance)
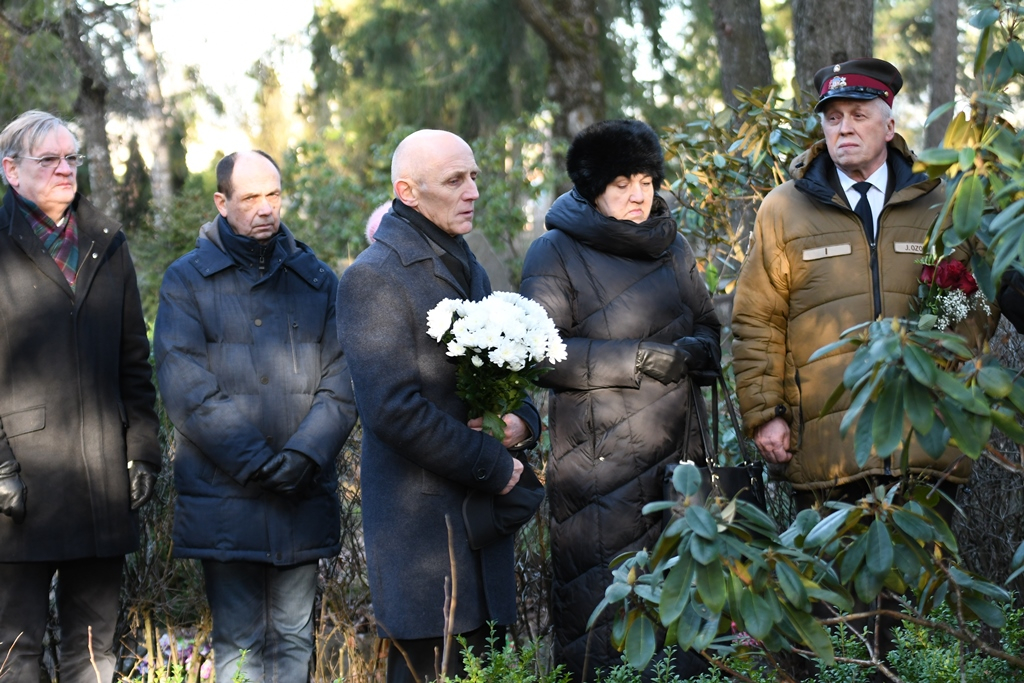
(834, 247)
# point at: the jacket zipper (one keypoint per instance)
(876, 287)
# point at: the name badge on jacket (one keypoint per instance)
(827, 252)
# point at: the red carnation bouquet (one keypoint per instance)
(948, 293)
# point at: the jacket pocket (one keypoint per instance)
(24, 421)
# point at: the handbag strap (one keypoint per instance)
(706, 439)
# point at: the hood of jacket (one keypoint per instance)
(578, 218)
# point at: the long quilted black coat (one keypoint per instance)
(609, 285)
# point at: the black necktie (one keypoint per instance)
(863, 210)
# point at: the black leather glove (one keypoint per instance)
(12, 491)
(695, 352)
(288, 473)
(663, 362)
(142, 479)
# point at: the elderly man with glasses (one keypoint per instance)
(78, 431)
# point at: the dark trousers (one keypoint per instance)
(265, 610)
(425, 655)
(87, 598)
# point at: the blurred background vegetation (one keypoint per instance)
(725, 81)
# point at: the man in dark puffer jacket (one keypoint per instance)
(254, 380)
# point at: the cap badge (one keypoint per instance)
(837, 82)
(836, 69)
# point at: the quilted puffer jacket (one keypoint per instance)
(608, 285)
(810, 274)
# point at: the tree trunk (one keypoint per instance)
(828, 32)
(944, 66)
(156, 118)
(570, 29)
(742, 50)
(91, 108)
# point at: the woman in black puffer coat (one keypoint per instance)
(623, 288)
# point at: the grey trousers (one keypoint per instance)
(265, 610)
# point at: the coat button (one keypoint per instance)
(258, 322)
(481, 473)
(264, 380)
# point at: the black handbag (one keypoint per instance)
(745, 481)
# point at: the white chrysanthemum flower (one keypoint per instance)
(439, 319)
(477, 361)
(556, 349)
(456, 349)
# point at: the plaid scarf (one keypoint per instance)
(60, 242)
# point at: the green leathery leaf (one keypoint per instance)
(917, 403)
(597, 612)
(791, 585)
(862, 440)
(995, 381)
(617, 592)
(1018, 557)
(1016, 55)
(813, 634)
(1017, 395)
(675, 592)
(702, 523)
(824, 530)
(703, 550)
(756, 614)
(985, 18)
(706, 634)
(938, 156)
(961, 394)
(955, 345)
(1006, 422)
(986, 611)
(640, 643)
(961, 429)
(833, 398)
(966, 158)
(936, 114)
(619, 626)
(868, 584)
(878, 557)
(711, 586)
(887, 426)
(853, 558)
(913, 525)
(920, 365)
(829, 348)
(687, 627)
(686, 479)
(935, 440)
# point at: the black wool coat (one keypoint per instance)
(77, 396)
(419, 458)
(609, 285)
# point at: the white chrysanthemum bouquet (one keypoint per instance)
(498, 344)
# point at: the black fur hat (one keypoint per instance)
(603, 151)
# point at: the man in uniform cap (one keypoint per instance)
(834, 247)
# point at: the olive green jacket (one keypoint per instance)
(809, 275)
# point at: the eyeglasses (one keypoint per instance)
(50, 161)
